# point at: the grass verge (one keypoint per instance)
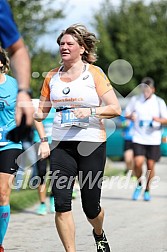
(113, 172)
(22, 199)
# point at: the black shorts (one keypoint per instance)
(149, 151)
(128, 145)
(8, 160)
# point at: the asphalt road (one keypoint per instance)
(131, 226)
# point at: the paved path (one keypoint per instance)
(130, 226)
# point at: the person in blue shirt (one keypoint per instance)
(9, 151)
(127, 126)
(41, 165)
(11, 41)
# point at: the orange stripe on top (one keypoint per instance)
(45, 91)
(102, 83)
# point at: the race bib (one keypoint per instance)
(145, 123)
(3, 133)
(68, 119)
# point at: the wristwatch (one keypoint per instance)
(93, 111)
(44, 139)
(27, 91)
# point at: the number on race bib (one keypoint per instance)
(68, 119)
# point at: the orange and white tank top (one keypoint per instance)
(85, 91)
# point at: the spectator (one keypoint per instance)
(41, 165)
(127, 126)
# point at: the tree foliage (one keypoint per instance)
(137, 33)
(34, 19)
(43, 61)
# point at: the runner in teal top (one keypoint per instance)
(8, 93)
(9, 151)
(42, 164)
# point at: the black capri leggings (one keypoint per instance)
(85, 160)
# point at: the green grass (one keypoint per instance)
(113, 172)
(22, 199)
(110, 170)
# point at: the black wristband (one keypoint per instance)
(27, 91)
(44, 139)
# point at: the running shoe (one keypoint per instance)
(52, 204)
(1, 248)
(101, 243)
(147, 196)
(137, 193)
(42, 209)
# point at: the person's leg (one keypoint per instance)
(97, 223)
(150, 173)
(153, 155)
(26, 160)
(52, 204)
(8, 167)
(128, 157)
(138, 165)
(42, 172)
(33, 162)
(129, 161)
(41, 169)
(91, 169)
(66, 230)
(42, 193)
(64, 170)
(51, 196)
(5, 191)
(139, 159)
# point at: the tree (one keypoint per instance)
(34, 19)
(43, 61)
(137, 33)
